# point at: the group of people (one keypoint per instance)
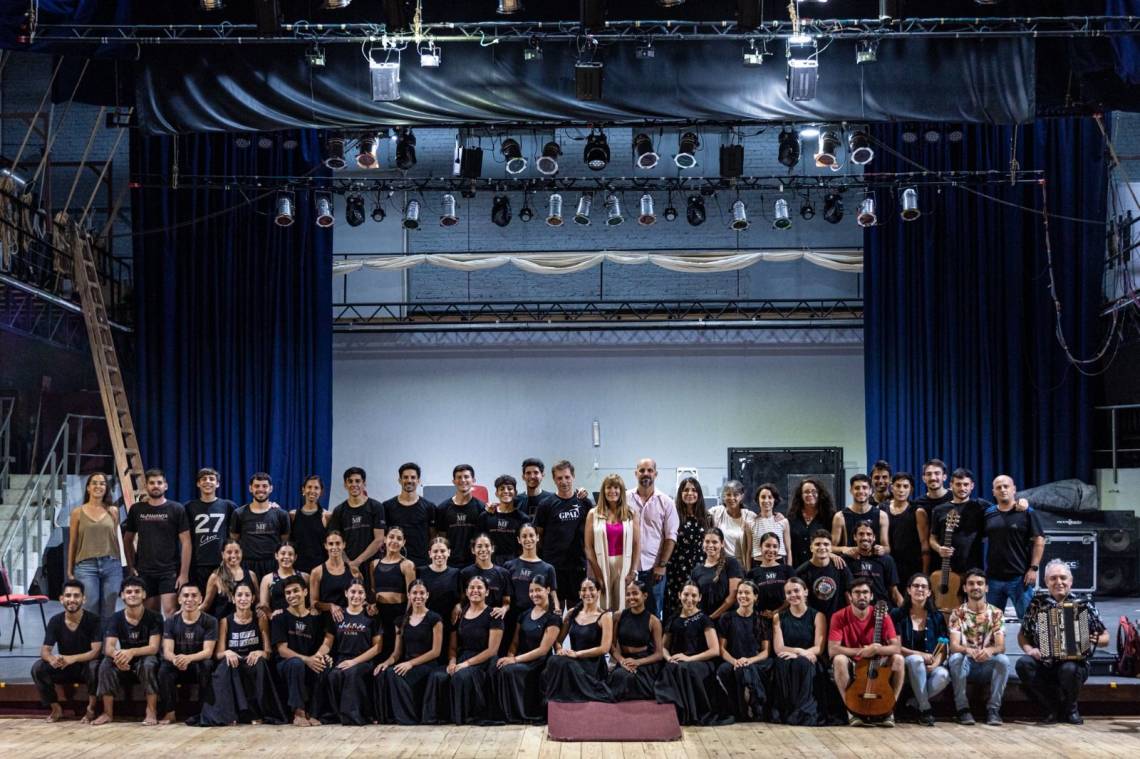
(465, 612)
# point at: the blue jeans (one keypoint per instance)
(1014, 590)
(656, 601)
(925, 685)
(101, 578)
(963, 668)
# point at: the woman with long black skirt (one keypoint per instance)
(402, 678)
(218, 595)
(744, 648)
(391, 576)
(348, 650)
(637, 649)
(271, 596)
(518, 675)
(578, 672)
(688, 680)
(243, 686)
(497, 579)
(717, 576)
(522, 571)
(798, 672)
(462, 691)
(329, 581)
(442, 581)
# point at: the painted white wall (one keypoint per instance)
(684, 407)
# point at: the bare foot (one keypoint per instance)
(255, 722)
(314, 722)
(167, 718)
(56, 714)
(104, 719)
(88, 716)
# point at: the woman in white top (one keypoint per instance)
(770, 520)
(735, 522)
(613, 543)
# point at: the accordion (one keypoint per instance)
(1063, 632)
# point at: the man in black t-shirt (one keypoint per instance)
(259, 528)
(131, 644)
(360, 520)
(965, 549)
(827, 584)
(502, 521)
(533, 495)
(162, 558)
(934, 477)
(77, 635)
(560, 522)
(458, 517)
(209, 518)
(1015, 543)
(188, 640)
(411, 513)
(879, 570)
(295, 635)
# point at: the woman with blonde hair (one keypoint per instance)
(613, 542)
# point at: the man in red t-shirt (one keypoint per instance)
(849, 640)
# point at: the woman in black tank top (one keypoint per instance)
(518, 675)
(272, 595)
(330, 580)
(309, 523)
(578, 672)
(637, 647)
(219, 591)
(798, 671)
(391, 576)
(401, 679)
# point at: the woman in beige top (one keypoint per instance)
(93, 555)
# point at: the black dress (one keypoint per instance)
(794, 681)
(242, 693)
(906, 548)
(332, 587)
(770, 581)
(345, 694)
(399, 699)
(389, 578)
(687, 553)
(633, 633)
(744, 687)
(691, 686)
(443, 597)
(308, 535)
(577, 680)
(518, 686)
(465, 697)
(715, 589)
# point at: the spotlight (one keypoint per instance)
(859, 148)
(643, 149)
(809, 133)
(932, 136)
(547, 163)
(867, 216)
(378, 213)
(670, 3)
(334, 153)
(431, 56)
(507, 7)
(448, 217)
(686, 148)
(525, 213)
(405, 149)
(592, 14)
(324, 207)
(333, 5)
(740, 216)
(695, 210)
(516, 164)
(670, 213)
(781, 218)
(646, 218)
(866, 51)
(367, 152)
(909, 205)
(752, 56)
(613, 210)
(582, 214)
(354, 210)
(412, 215)
(242, 141)
(825, 155)
(789, 151)
(284, 215)
(597, 152)
(954, 134)
(803, 67)
(909, 136)
(314, 55)
(211, 5)
(290, 143)
(807, 210)
(554, 214)
(385, 77)
(265, 142)
(501, 210)
(533, 51)
(832, 208)
(588, 80)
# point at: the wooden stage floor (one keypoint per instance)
(1098, 737)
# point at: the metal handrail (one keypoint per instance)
(7, 406)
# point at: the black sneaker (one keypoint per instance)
(993, 718)
(926, 718)
(1074, 717)
(1049, 719)
(965, 718)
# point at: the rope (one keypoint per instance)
(99, 180)
(54, 133)
(36, 115)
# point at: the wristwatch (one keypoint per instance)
(1033, 567)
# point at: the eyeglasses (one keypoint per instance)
(920, 586)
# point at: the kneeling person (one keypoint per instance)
(76, 633)
(130, 646)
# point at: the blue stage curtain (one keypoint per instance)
(234, 320)
(961, 357)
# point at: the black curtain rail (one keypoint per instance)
(491, 32)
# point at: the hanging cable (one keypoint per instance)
(36, 115)
(54, 132)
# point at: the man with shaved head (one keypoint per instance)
(659, 523)
(1015, 544)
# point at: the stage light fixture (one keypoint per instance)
(809, 132)
(290, 143)
(324, 208)
(646, 217)
(501, 210)
(448, 217)
(686, 148)
(265, 141)
(588, 77)
(866, 51)
(859, 148)
(731, 161)
(747, 15)
(752, 56)
(378, 213)
(431, 57)
(334, 153)
(412, 215)
(284, 209)
(670, 212)
(385, 77)
(781, 219)
(547, 163)
(908, 205)
(740, 216)
(789, 151)
(826, 154)
(211, 5)
(507, 7)
(592, 15)
(533, 51)
(695, 210)
(242, 141)
(335, 5)
(354, 209)
(954, 134)
(613, 210)
(867, 216)
(909, 136)
(525, 213)
(832, 208)
(367, 152)
(405, 149)
(582, 214)
(315, 56)
(516, 164)
(470, 162)
(932, 136)
(597, 151)
(554, 210)
(643, 149)
(807, 210)
(670, 3)
(803, 67)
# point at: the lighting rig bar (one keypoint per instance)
(531, 32)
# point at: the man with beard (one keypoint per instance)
(188, 640)
(860, 511)
(532, 472)
(131, 643)
(659, 525)
(879, 571)
(977, 649)
(162, 557)
(850, 639)
(561, 522)
(880, 483)
(458, 517)
(965, 549)
(295, 636)
(360, 520)
(259, 528)
(1015, 542)
(411, 513)
(209, 525)
(77, 634)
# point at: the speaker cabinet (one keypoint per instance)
(786, 468)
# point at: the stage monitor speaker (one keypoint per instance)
(1079, 552)
(786, 468)
(1118, 533)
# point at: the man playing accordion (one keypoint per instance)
(1058, 634)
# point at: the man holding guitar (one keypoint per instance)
(866, 658)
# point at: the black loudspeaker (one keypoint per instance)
(1118, 546)
(731, 161)
(268, 17)
(588, 80)
(785, 468)
(470, 163)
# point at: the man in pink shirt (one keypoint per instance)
(659, 523)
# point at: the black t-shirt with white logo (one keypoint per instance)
(503, 529)
(133, 636)
(352, 636)
(881, 572)
(209, 528)
(827, 586)
(416, 521)
(259, 534)
(189, 637)
(562, 521)
(459, 524)
(158, 528)
(356, 524)
(303, 635)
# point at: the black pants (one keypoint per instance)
(46, 677)
(197, 673)
(569, 583)
(112, 680)
(300, 685)
(1053, 686)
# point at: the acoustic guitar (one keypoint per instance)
(944, 583)
(869, 694)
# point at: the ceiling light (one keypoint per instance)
(412, 215)
(643, 149)
(909, 210)
(367, 152)
(265, 142)
(385, 77)
(695, 210)
(807, 210)
(211, 5)
(588, 80)
(554, 212)
(378, 213)
(789, 151)
(826, 153)
(333, 5)
(597, 151)
(867, 216)
(859, 148)
(670, 213)
(431, 56)
(954, 134)
(354, 210)
(507, 7)
(547, 163)
(909, 136)
(405, 149)
(832, 208)
(740, 216)
(525, 213)
(781, 219)
(242, 141)
(516, 164)
(687, 146)
(448, 216)
(646, 217)
(582, 214)
(334, 153)
(613, 210)
(866, 51)
(284, 209)
(501, 210)
(803, 67)
(323, 203)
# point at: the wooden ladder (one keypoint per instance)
(124, 441)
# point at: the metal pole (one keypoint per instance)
(1115, 472)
